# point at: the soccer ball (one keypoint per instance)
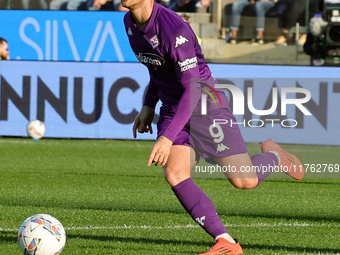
(36, 129)
(41, 234)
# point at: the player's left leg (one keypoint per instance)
(288, 162)
(245, 172)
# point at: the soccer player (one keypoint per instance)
(4, 53)
(168, 47)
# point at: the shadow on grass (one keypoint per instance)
(276, 249)
(328, 181)
(178, 210)
(146, 245)
(8, 237)
(283, 217)
(139, 240)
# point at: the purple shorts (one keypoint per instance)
(208, 140)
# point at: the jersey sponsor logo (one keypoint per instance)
(200, 220)
(180, 40)
(221, 147)
(154, 41)
(150, 58)
(187, 64)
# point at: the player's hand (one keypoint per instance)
(143, 121)
(160, 151)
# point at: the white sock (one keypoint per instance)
(227, 237)
(277, 155)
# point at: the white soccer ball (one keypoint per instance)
(36, 129)
(41, 234)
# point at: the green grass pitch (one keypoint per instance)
(110, 202)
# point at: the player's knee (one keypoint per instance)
(174, 176)
(245, 183)
(172, 179)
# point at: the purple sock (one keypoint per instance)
(199, 206)
(266, 163)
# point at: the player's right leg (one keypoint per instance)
(194, 200)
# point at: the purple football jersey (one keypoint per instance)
(168, 47)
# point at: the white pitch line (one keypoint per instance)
(136, 143)
(259, 224)
(15, 141)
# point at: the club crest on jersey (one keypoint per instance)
(154, 41)
(180, 40)
(130, 31)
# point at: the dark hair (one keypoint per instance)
(2, 40)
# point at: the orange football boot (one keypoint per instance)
(288, 163)
(223, 246)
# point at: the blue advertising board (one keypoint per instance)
(100, 100)
(73, 99)
(66, 35)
